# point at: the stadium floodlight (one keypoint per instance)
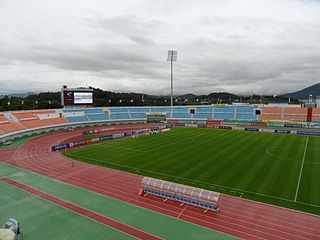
(172, 57)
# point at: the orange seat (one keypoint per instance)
(54, 121)
(33, 123)
(10, 127)
(3, 118)
(284, 113)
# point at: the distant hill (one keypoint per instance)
(222, 95)
(18, 95)
(188, 96)
(45, 100)
(304, 93)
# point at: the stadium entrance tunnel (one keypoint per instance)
(197, 197)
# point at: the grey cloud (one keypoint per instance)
(215, 52)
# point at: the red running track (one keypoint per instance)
(83, 212)
(238, 217)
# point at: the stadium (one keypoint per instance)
(175, 120)
(223, 170)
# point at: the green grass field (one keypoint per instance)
(278, 169)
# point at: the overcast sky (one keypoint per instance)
(239, 46)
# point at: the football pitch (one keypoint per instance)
(279, 169)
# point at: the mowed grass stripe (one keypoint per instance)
(259, 166)
(309, 190)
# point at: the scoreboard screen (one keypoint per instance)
(77, 98)
(83, 97)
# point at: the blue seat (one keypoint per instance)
(119, 116)
(203, 109)
(180, 115)
(138, 115)
(202, 115)
(93, 111)
(97, 117)
(77, 119)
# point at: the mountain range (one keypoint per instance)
(314, 90)
(303, 94)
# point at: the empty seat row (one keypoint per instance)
(77, 119)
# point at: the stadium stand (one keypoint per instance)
(316, 115)
(19, 120)
(98, 117)
(33, 119)
(180, 115)
(55, 121)
(11, 127)
(3, 119)
(33, 123)
(271, 113)
(293, 113)
(77, 119)
(205, 199)
(284, 113)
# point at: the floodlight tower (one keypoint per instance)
(172, 56)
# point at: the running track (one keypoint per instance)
(82, 211)
(238, 217)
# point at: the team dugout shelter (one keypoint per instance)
(183, 194)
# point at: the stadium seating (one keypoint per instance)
(202, 115)
(160, 110)
(204, 109)
(33, 123)
(3, 119)
(55, 121)
(98, 117)
(138, 115)
(16, 121)
(271, 113)
(284, 113)
(11, 127)
(316, 115)
(117, 116)
(296, 114)
(180, 115)
(77, 119)
(223, 116)
(93, 111)
(28, 115)
(19, 120)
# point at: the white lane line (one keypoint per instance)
(302, 164)
(182, 211)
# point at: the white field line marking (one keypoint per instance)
(240, 191)
(304, 157)
(117, 199)
(182, 211)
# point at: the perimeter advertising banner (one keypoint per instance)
(252, 129)
(225, 127)
(308, 133)
(282, 131)
(293, 125)
(97, 130)
(59, 147)
(108, 137)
